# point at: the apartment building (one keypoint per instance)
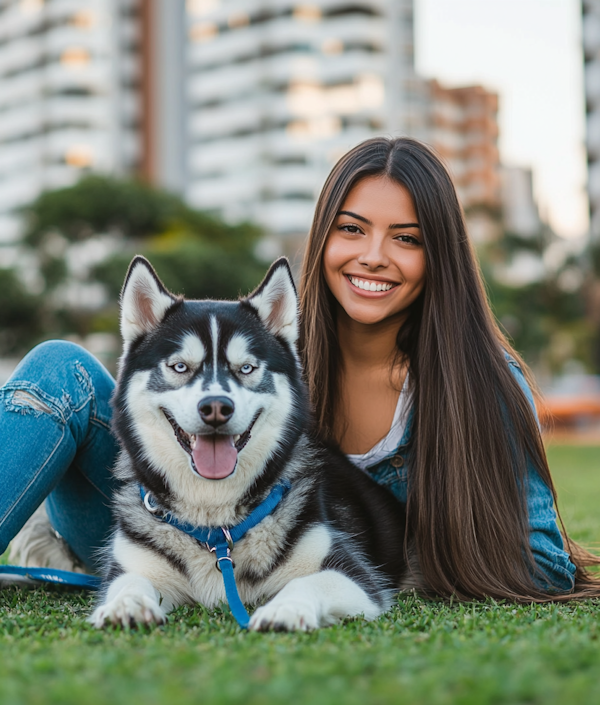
(69, 101)
(462, 126)
(279, 89)
(591, 56)
(241, 106)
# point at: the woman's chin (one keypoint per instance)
(369, 315)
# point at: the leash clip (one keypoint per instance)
(213, 549)
(222, 558)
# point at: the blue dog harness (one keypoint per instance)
(217, 540)
(221, 540)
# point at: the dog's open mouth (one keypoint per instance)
(213, 456)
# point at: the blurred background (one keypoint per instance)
(200, 133)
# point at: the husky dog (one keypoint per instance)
(212, 413)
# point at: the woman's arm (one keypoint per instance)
(545, 539)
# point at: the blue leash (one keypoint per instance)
(53, 575)
(220, 540)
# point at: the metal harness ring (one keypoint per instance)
(147, 504)
(224, 558)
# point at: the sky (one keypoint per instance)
(529, 52)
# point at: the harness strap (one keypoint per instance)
(53, 575)
(221, 540)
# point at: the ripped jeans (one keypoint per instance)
(56, 444)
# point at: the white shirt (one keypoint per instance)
(386, 446)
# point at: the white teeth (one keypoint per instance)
(370, 286)
(236, 438)
(192, 442)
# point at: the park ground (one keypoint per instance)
(420, 652)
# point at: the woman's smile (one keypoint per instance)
(370, 286)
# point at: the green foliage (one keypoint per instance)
(133, 209)
(545, 321)
(195, 253)
(100, 204)
(538, 316)
(433, 653)
(20, 313)
(187, 265)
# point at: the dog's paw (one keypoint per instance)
(285, 616)
(128, 610)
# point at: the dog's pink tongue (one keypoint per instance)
(214, 456)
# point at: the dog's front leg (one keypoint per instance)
(131, 599)
(313, 601)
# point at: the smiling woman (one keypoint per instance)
(410, 375)
(374, 265)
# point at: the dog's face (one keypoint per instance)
(208, 387)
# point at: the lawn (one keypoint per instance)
(421, 652)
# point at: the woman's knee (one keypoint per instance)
(60, 374)
(54, 352)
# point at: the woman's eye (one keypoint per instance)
(408, 238)
(180, 367)
(246, 369)
(348, 228)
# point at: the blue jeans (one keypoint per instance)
(56, 443)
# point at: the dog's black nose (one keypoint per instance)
(215, 411)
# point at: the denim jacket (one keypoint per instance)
(545, 538)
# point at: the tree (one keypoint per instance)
(20, 314)
(195, 253)
(545, 315)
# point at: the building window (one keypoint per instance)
(203, 31)
(75, 58)
(307, 13)
(201, 7)
(30, 7)
(353, 10)
(84, 19)
(332, 46)
(79, 155)
(237, 20)
(315, 128)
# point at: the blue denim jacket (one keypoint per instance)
(545, 538)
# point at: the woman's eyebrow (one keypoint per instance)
(355, 215)
(393, 226)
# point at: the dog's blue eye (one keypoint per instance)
(180, 367)
(246, 369)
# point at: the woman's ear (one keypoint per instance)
(276, 302)
(144, 300)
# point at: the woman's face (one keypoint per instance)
(374, 261)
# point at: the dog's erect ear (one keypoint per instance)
(276, 301)
(144, 300)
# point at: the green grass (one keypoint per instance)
(421, 652)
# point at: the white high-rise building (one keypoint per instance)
(591, 52)
(69, 102)
(240, 106)
(278, 89)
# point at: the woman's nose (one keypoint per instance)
(373, 255)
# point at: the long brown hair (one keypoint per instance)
(474, 431)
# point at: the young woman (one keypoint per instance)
(410, 374)
(407, 371)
